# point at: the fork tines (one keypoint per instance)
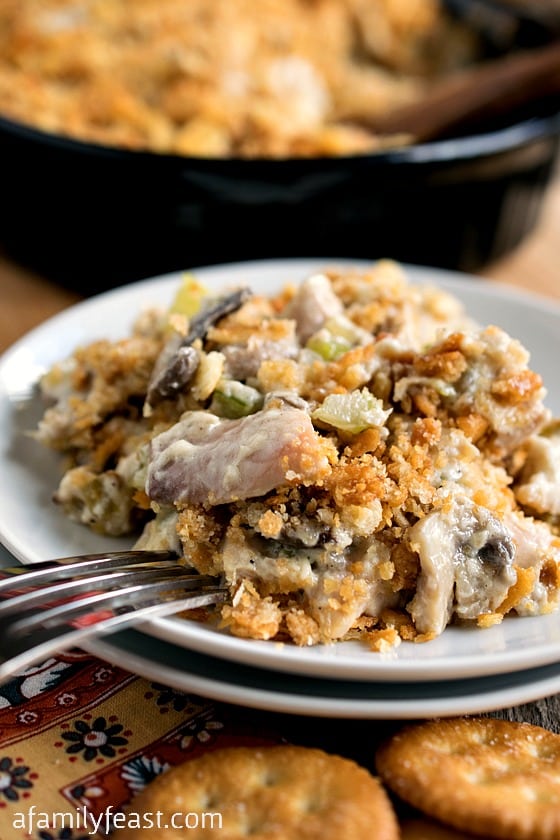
(76, 566)
(60, 604)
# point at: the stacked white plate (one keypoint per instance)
(465, 670)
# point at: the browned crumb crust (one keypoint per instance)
(221, 79)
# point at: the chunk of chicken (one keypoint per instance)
(482, 374)
(535, 546)
(539, 483)
(103, 501)
(314, 303)
(244, 360)
(499, 386)
(203, 459)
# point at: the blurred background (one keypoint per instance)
(142, 137)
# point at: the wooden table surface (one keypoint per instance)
(27, 299)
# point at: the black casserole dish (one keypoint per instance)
(92, 217)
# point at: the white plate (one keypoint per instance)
(33, 529)
(274, 691)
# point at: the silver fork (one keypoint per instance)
(52, 606)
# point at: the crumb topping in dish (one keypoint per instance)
(352, 456)
(222, 78)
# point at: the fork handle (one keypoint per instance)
(55, 639)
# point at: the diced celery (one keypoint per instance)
(234, 399)
(337, 336)
(352, 412)
(189, 297)
(440, 386)
(328, 346)
(342, 327)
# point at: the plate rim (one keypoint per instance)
(488, 287)
(521, 690)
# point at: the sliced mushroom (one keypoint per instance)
(211, 314)
(174, 369)
(178, 361)
(466, 558)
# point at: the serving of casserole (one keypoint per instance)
(352, 455)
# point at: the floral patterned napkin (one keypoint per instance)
(79, 737)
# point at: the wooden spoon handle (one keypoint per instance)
(486, 91)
